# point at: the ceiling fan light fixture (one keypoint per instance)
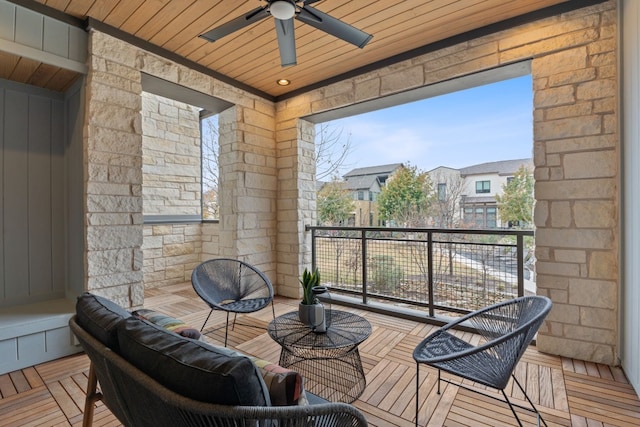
(283, 82)
(282, 9)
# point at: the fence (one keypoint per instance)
(434, 270)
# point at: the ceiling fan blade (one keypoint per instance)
(333, 26)
(306, 2)
(286, 41)
(235, 24)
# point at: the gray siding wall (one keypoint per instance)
(74, 186)
(630, 322)
(32, 202)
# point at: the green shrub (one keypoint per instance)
(384, 274)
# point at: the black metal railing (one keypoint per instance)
(440, 271)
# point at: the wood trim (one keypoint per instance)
(530, 17)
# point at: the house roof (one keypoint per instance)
(362, 182)
(249, 58)
(373, 170)
(502, 167)
(366, 178)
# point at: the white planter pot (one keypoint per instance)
(312, 315)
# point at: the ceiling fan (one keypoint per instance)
(284, 11)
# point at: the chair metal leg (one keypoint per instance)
(226, 330)
(528, 400)
(206, 320)
(438, 381)
(235, 315)
(512, 408)
(417, 390)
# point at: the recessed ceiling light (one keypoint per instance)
(284, 82)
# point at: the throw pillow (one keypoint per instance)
(191, 368)
(284, 385)
(100, 317)
(168, 322)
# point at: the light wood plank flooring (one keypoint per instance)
(568, 392)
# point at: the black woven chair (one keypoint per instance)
(233, 286)
(506, 328)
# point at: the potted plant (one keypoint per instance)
(310, 311)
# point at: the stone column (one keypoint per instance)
(113, 173)
(296, 201)
(248, 185)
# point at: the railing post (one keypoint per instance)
(313, 249)
(430, 272)
(520, 257)
(363, 240)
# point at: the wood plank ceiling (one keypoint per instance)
(251, 55)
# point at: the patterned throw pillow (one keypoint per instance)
(168, 322)
(284, 385)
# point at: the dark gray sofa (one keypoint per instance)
(149, 376)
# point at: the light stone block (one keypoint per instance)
(576, 239)
(560, 214)
(603, 265)
(594, 214)
(593, 293)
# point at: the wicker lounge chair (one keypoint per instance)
(233, 286)
(507, 328)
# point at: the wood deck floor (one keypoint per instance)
(567, 392)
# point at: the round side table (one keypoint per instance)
(329, 361)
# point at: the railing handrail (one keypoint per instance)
(500, 231)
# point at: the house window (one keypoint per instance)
(360, 195)
(478, 219)
(468, 215)
(371, 198)
(442, 192)
(483, 187)
(491, 218)
(481, 216)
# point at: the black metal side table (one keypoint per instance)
(329, 362)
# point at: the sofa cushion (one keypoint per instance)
(99, 317)
(191, 368)
(168, 322)
(284, 386)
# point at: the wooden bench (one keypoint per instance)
(36, 333)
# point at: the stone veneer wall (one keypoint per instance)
(170, 157)
(576, 148)
(113, 172)
(171, 186)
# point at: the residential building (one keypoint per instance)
(482, 183)
(365, 185)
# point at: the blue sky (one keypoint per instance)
(482, 124)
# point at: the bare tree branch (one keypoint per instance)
(332, 150)
(210, 168)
